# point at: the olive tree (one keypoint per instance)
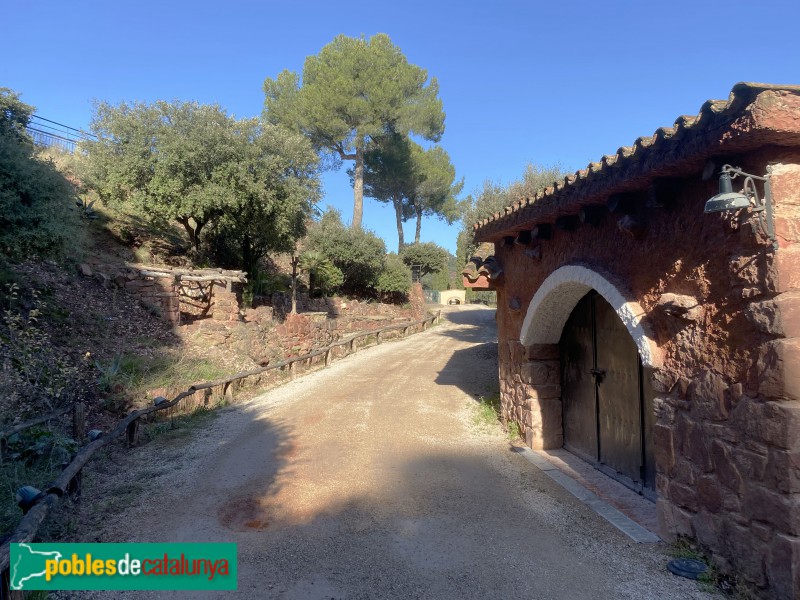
(252, 184)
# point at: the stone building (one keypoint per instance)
(661, 342)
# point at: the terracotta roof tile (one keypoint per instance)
(712, 131)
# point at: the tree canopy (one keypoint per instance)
(354, 90)
(493, 197)
(414, 180)
(426, 258)
(194, 164)
(437, 189)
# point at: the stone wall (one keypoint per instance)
(721, 312)
(267, 334)
(158, 295)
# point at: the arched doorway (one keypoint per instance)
(607, 413)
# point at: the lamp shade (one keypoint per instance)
(727, 201)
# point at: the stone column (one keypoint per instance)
(778, 502)
(540, 376)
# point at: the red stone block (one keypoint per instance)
(708, 396)
(780, 510)
(779, 369)
(540, 372)
(724, 466)
(708, 529)
(787, 268)
(539, 392)
(673, 522)
(542, 352)
(664, 449)
(783, 567)
(783, 470)
(788, 306)
(516, 351)
(683, 495)
(708, 493)
(747, 553)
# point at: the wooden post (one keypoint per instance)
(328, 356)
(75, 485)
(4, 583)
(78, 421)
(133, 433)
(292, 370)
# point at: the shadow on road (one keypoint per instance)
(443, 525)
(472, 369)
(475, 325)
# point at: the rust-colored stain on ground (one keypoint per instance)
(241, 513)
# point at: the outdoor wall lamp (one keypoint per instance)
(727, 199)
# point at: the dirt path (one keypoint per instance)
(370, 480)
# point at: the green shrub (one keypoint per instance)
(36, 200)
(394, 280)
(35, 377)
(359, 255)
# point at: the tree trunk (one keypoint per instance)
(192, 232)
(295, 262)
(398, 213)
(358, 187)
(419, 224)
(247, 255)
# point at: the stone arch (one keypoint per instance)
(555, 299)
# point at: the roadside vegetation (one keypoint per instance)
(492, 197)
(188, 184)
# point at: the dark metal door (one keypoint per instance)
(605, 420)
(578, 391)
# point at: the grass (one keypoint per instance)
(180, 426)
(487, 412)
(488, 415)
(135, 375)
(34, 457)
(712, 580)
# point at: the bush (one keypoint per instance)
(395, 279)
(359, 255)
(36, 216)
(36, 377)
(323, 275)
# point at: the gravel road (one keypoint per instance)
(370, 479)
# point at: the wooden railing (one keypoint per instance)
(63, 484)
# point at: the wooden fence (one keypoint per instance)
(65, 483)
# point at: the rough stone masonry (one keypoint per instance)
(711, 304)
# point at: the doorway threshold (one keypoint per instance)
(632, 514)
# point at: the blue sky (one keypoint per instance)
(544, 82)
